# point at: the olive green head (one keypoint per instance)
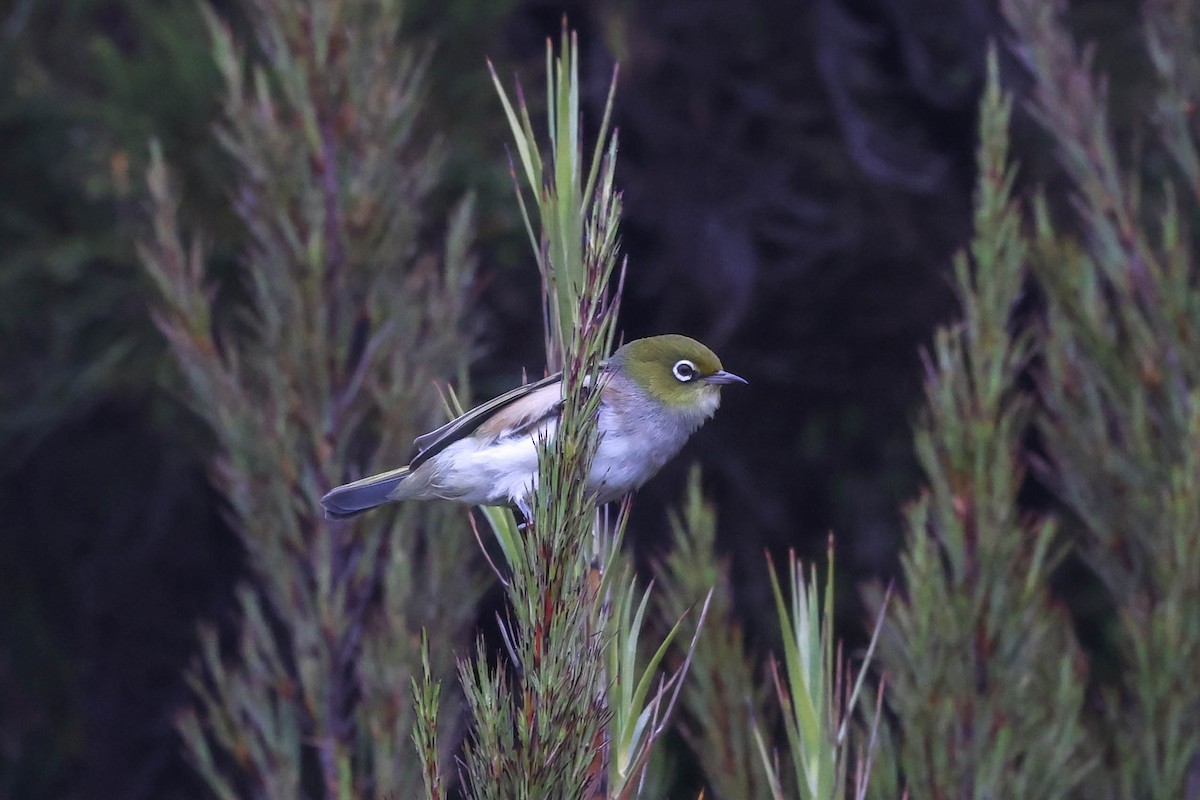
(674, 370)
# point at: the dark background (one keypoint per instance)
(797, 176)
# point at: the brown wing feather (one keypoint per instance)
(434, 442)
(524, 414)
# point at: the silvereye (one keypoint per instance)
(655, 393)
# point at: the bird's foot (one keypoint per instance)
(526, 514)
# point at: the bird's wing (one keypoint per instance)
(512, 412)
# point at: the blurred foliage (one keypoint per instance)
(1093, 386)
(820, 695)
(329, 366)
(802, 729)
(983, 673)
(82, 93)
(723, 699)
(81, 89)
(1121, 380)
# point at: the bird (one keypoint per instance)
(654, 394)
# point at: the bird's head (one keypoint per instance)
(675, 371)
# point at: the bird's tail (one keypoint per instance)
(364, 494)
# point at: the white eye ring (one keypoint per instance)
(684, 370)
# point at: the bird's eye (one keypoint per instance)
(684, 370)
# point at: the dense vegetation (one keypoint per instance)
(240, 243)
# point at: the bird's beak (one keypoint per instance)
(721, 376)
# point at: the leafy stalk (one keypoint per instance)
(580, 713)
(818, 694)
(547, 735)
(984, 671)
(721, 699)
(347, 318)
(1121, 381)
